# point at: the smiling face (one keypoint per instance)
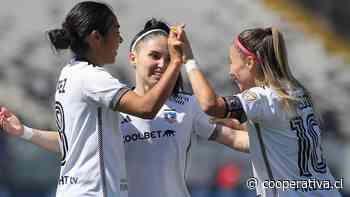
(242, 69)
(110, 43)
(151, 59)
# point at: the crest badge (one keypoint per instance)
(170, 115)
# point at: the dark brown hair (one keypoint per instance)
(80, 21)
(150, 25)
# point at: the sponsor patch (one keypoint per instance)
(148, 135)
(249, 96)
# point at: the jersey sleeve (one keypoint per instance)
(253, 104)
(202, 125)
(102, 88)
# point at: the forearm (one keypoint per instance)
(147, 106)
(48, 140)
(233, 138)
(44, 139)
(242, 142)
(210, 103)
(155, 98)
(163, 89)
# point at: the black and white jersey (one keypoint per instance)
(93, 162)
(157, 150)
(285, 146)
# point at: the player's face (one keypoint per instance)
(240, 70)
(111, 43)
(151, 60)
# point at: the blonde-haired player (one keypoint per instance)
(284, 133)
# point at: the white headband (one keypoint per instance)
(144, 35)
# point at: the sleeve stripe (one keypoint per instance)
(116, 98)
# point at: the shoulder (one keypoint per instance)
(256, 100)
(259, 91)
(94, 74)
(252, 94)
(92, 70)
(258, 94)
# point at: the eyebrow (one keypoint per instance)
(157, 52)
(154, 51)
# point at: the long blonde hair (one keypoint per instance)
(272, 66)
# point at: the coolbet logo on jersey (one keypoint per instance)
(148, 135)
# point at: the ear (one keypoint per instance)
(250, 62)
(132, 58)
(94, 38)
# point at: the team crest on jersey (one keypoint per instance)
(249, 96)
(170, 115)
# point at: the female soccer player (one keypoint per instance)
(157, 150)
(284, 133)
(161, 145)
(88, 101)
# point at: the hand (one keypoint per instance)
(10, 123)
(175, 43)
(231, 123)
(187, 50)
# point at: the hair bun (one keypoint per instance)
(59, 38)
(268, 31)
(156, 24)
(150, 23)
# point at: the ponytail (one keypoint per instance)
(59, 39)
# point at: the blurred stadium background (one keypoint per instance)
(317, 34)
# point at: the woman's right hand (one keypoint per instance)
(187, 49)
(229, 122)
(10, 123)
(175, 43)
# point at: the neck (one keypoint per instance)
(141, 88)
(244, 87)
(94, 59)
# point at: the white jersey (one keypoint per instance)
(285, 147)
(157, 150)
(93, 162)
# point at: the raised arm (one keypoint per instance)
(147, 106)
(13, 126)
(210, 103)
